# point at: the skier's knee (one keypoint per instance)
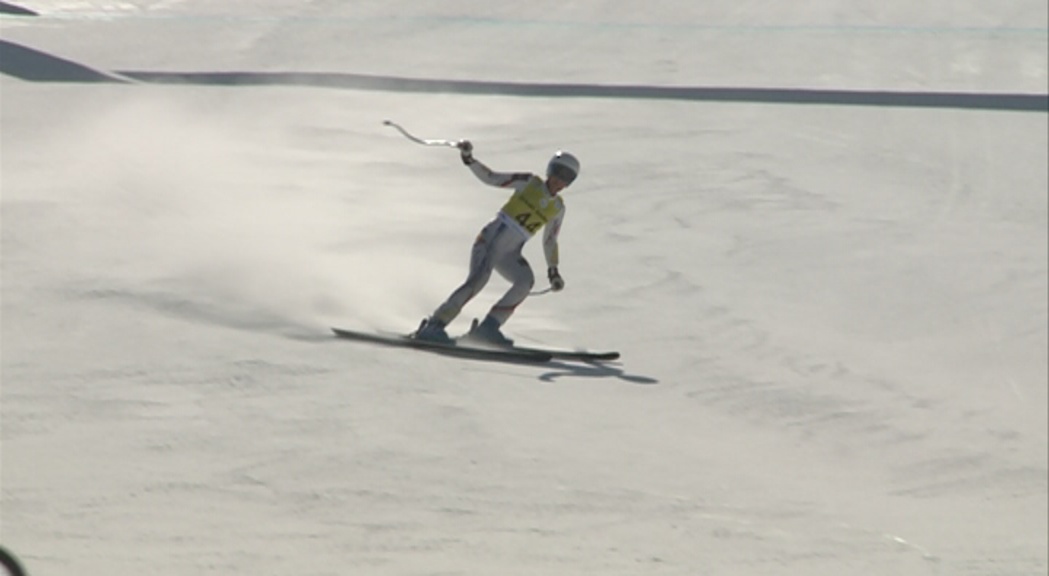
(527, 277)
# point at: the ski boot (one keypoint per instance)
(432, 330)
(488, 332)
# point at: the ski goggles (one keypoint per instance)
(562, 173)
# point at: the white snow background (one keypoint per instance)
(832, 318)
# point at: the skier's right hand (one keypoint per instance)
(557, 283)
(466, 149)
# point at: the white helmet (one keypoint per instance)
(563, 166)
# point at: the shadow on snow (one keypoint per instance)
(33, 65)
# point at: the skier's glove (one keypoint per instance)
(556, 282)
(466, 151)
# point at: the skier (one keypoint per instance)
(535, 203)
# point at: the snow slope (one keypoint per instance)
(832, 317)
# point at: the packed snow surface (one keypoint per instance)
(830, 299)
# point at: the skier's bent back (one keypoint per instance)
(534, 204)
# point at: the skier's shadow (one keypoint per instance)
(592, 370)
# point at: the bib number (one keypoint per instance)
(526, 222)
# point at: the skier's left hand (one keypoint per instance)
(556, 282)
(466, 149)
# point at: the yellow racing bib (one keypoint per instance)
(532, 206)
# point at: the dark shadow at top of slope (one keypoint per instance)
(36, 66)
(6, 8)
(957, 100)
(10, 563)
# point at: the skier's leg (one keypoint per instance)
(514, 268)
(480, 272)
(487, 249)
(433, 328)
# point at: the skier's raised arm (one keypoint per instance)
(515, 180)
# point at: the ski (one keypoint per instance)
(461, 350)
(573, 355)
(555, 353)
(464, 347)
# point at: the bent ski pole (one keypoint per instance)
(417, 140)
